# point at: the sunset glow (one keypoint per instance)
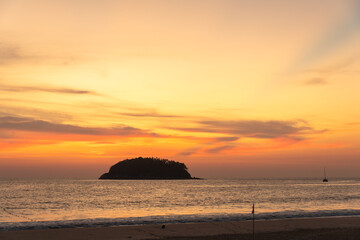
(230, 88)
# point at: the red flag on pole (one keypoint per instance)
(253, 213)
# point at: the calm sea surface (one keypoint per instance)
(29, 204)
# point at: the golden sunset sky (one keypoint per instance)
(232, 88)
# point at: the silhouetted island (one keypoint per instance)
(147, 168)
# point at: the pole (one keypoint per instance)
(253, 212)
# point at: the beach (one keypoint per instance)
(306, 228)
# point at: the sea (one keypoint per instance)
(73, 203)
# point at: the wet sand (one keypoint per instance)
(311, 228)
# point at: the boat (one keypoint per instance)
(325, 179)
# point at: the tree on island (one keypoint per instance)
(147, 168)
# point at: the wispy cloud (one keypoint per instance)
(253, 128)
(316, 81)
(229, 143)
(22, 89)
(12, 53)
(9, 53)
(150, 114)
(220, 148)
(31, 112)
(226, 139)
(33, 125)
(340, 66)
(338, 35)
(189, 151)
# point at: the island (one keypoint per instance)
(147, 168)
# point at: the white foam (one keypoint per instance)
(103, 222)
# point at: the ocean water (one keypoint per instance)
(34, 204)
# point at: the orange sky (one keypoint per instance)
(265, 88)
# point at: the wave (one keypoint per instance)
(164, 219)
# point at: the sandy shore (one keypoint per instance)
(311, 228)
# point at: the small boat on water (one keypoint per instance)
(325, 179)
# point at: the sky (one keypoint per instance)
(232, 88)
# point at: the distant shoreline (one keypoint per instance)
(315, 228)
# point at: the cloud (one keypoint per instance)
(9, 53)
(316, 81)
(226, 139)
(214, 141)
(152, 114)
(188, 152)
(336, 37)
(288, 132)
(51, 115)
(12, 119)
(220, 148)
(33, 125)
(254, 128)
(45, 89)
(13, 52)
(343, 65)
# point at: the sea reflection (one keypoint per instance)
(58, 200)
